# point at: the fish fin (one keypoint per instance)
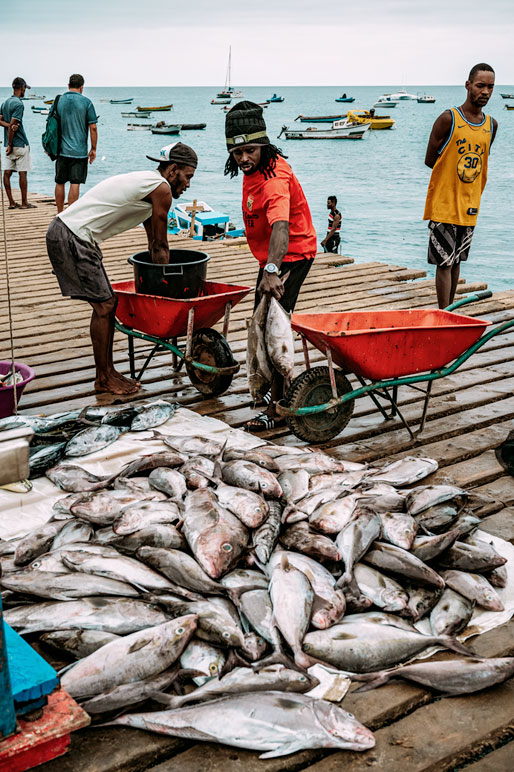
(279, 657)
(218, 460)
(170, 700)
(234, 593)
(345, 579)
(283, 750)
(305, 661)
(449, 642)
(373, 680)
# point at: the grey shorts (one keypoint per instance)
(77, 264)
(448, 244)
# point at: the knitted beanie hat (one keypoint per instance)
(245, 125)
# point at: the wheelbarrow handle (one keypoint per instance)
(483, 295)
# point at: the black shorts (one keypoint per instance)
(332, 244)
(298, 271)
(77, 264)
(72, 170)
(448, 244)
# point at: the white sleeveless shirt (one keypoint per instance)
(113, 206)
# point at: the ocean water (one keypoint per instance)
(380, 181)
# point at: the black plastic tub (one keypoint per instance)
(182, 277)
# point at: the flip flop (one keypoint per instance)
(16, 206)
(29, 206)
(262, 423)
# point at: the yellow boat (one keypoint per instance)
(364, 116)
(49, 101)
(154, 109)
(509, 107)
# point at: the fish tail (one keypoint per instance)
(372, 680)
(344, 579)
(450, 642)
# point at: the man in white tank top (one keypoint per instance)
(111, 207)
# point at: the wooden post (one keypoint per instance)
(193, 218)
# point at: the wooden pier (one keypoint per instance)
(470, 414)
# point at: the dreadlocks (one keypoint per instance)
(267, 163)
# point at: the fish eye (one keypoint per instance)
(350, 715)
(306, 647)
(227, 547)
(302, 679)
(36, 564)
(213, 668)
(180, 630)
(264, 485)
(226, 634)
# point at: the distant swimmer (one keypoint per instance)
(332, 240)
(458, 152)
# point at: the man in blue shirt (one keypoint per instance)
(77, 116)
(17, 150)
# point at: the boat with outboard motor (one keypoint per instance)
(162, 108)
(345, 98)
(275, 98)
(207, 224)
(426, 99)
(339, 130)
(377, 122)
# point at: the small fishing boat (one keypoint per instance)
(275, 98)
(345, 98)
(507, 96)
(31, 97)
(377, 122)
(426, 99)
(224, 101)
(162, 108)
(509, 107)
(168, 129)
(319, 118)
(139, 126)
(193, 126)
(37, 109)
(49, 101)
(208, 225)
(136, 115)
(338, 130)
(121, 101)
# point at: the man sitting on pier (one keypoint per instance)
(457, 152)
(111, 207)
(277, 219)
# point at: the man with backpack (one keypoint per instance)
(77, 117)
(17, 150)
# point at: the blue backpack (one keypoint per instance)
(51, 137)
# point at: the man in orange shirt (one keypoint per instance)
(277, 219)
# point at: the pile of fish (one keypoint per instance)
(81, 432)
(203, 581)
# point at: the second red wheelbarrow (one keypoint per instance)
(384, 350)
(161, 321)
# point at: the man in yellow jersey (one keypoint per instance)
(457, 153)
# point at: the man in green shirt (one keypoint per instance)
(17, 150)
(77, 117)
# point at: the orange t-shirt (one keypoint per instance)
(270, 197)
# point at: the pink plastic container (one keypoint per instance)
(7, 392)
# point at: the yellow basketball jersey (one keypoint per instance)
(460, 173)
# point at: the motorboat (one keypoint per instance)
(192, 126)
(139, 126)
(339, 130)
(136, 115)
(121, 101)
(224, 101)
(207, 224)
(162, 108)
(401, 96)
(426, 99)
(509, 107)
(378, 122)
(167, 129)
(507, 96)
(319, 118)
(345, 98)
(385, 101)
(275, 98)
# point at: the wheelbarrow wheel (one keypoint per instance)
(210, 348)
(313, 388)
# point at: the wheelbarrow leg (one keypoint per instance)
(132, 363)
(386, 416)
(306, 353)
(148, 360)
(425, 408)
(174, 358)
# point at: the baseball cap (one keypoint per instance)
(176, 153)
(19, 83)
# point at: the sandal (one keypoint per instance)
(264, 401)
(16, 206)
(262, 423)
(29, 206)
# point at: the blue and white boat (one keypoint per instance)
(275, 98)
(207, 224)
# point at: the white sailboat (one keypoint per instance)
(229, 92)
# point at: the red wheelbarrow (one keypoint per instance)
(384, 350)
(161, 321)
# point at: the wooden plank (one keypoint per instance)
(500, 760)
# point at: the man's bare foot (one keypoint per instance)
(116, 383)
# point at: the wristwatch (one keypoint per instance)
(271, 268)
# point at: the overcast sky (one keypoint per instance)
(274, 42)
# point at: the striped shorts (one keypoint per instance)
(448, 244)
